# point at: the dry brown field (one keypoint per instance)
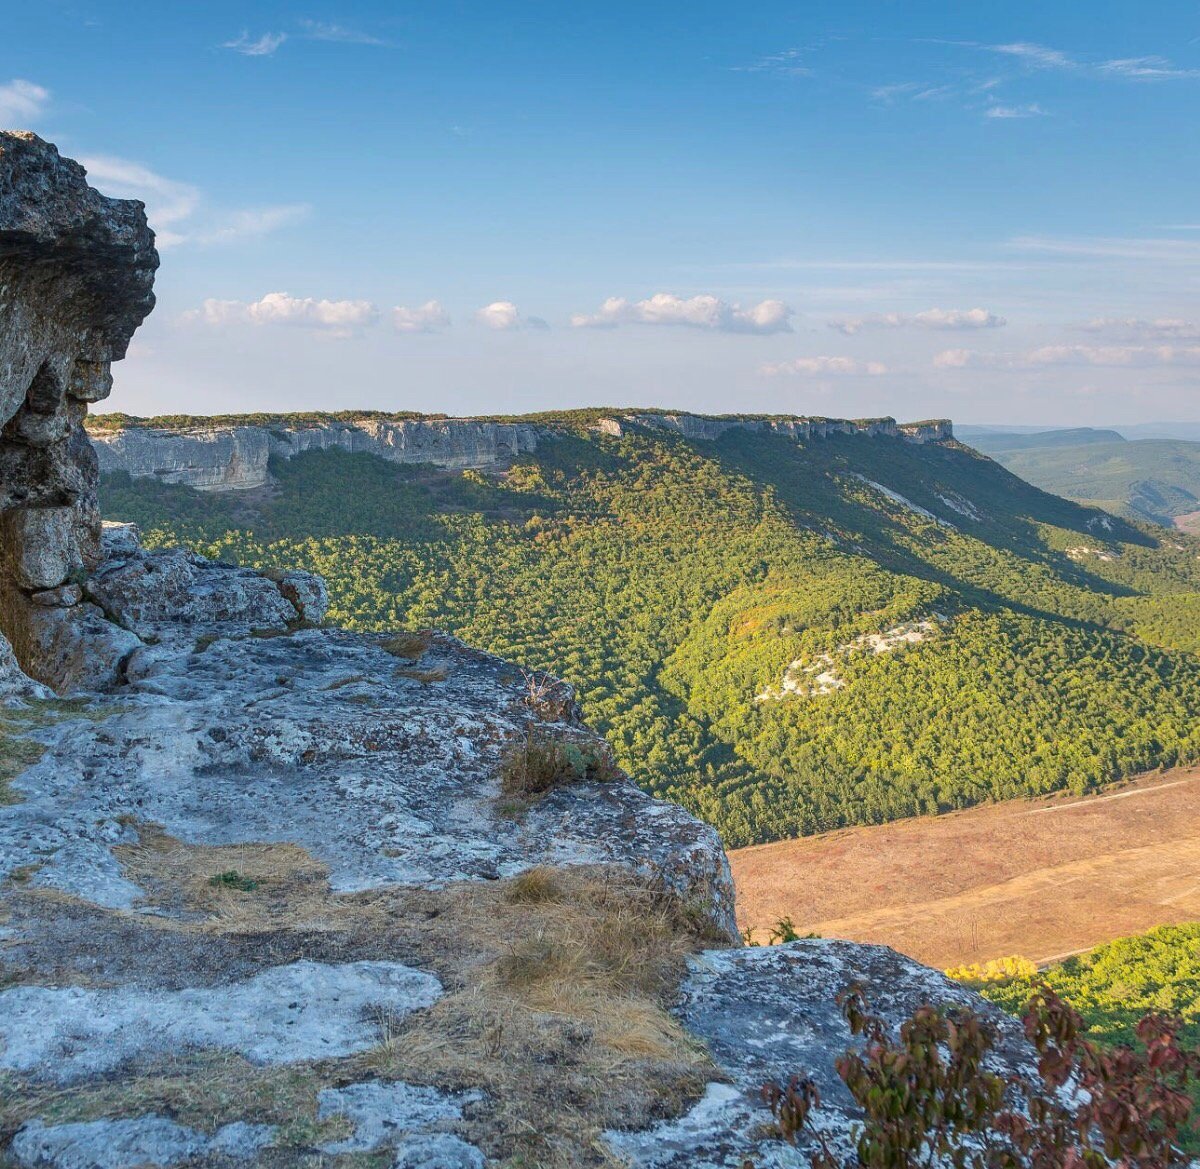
(1041, 878)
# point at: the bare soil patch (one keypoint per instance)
(1042, 878)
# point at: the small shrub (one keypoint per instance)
(994, 970)
(541, 762)
(927, 1099)
(232, 879)
(409, 645)
(547, 697)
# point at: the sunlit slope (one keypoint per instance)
(785, 637)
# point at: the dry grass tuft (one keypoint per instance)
(425, 677)
(541, 761)
(410, 645)
(565, 1025)
(534, 886)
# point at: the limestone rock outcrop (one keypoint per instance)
(231, 456)
(76, 278)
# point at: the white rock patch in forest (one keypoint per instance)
(302, 1011)
(962, 505)
(809, 679)
(1082, 552)
(903, 501)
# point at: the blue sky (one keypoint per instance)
(989, 213)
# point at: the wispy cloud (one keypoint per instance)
(1159, 250)
(697, 312)
(1032, 110)
(1148, 68)
(22, 103)
(178, 212)
(263, 46)
(1037, 55)
(1116, 356)
(429, 317)
(318, 30)
(934, 318)
(1139, 329)
(912, 91)
(823, 366)
(253, 222)
(335, 318)
(789, 63)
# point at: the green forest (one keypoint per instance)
(677, 583)
(1113, 986)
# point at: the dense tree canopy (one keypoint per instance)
(676, 582)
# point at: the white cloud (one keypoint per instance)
(934, 318)
(1036, 55)
(824, 366)
(789, 62)
(317, 30)
(913, 91)
(22, 103)
(337, 318)
(1150, 68)
(697, 312)
(427, 318)
(264, 46)
(1136, 329)
(1116, 356)
(503, 314)
(176, 210)
(1145, 69)
(1032, 110)
(253, 222)
(168, 202)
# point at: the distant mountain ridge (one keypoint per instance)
(1140, 478)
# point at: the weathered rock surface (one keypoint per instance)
(769, 1013)
(233, 457)
(76, 273)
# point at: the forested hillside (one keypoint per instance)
(784, 637)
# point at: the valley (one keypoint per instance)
(1040, 878)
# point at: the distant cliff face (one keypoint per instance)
(234, 457)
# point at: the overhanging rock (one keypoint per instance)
(76, 278)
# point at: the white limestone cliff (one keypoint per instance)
(230, 456)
